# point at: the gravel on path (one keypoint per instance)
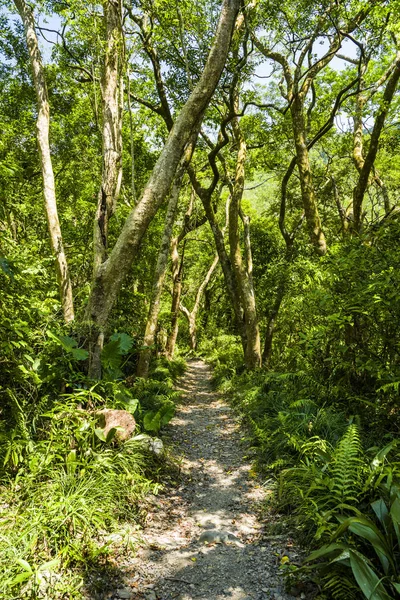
(218, 491)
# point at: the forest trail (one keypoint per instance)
(216, 491)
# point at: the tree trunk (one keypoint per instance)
(226, 266)
(358, 157)
(111, 176)
(269, 334)
(242, 272)
(177, 268)
(306, 183)
(112, 272)
(367, 166)
(42, 130)
(192, 315)
(159, 276)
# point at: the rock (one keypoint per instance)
(110, 418)
(125, 593)
(150, 595)
(156, 446)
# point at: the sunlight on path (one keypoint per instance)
(216, 492)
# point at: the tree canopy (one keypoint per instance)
(215, 178)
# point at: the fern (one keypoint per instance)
(345, 468)
(339, 585)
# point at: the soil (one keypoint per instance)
(217, 490)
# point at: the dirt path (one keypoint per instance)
(217, 491)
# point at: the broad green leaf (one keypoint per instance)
(21, 578)
(367, 530)
(111, 355)
(368, 581)
(100, 434)
(152, 421)
(79, 353)
(111, 434)
(166, 414)
(395, 515)
(124, 340)
(326, 551)
(131, 405)
(380, 509)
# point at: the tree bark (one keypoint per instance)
(242, 271)
(159, 276)
(367, 166)
(112, 272)
(192, 315)
(177, 269)
(189, 225)
(310, 204)
(42, 132)
(226, 266)
(111, 176)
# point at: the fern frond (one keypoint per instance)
(345, 468)
(339, 585)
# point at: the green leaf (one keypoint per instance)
(152, 421)
(100, 434)
(111, 355)
(69, 345)
(124, 340)
(21, 578)
(24, 564)
(326, 551)
(79, 353)
(368, 581)
(367, 530)
(166, 414)
(131, 405)
(380, 509)
(111, 434)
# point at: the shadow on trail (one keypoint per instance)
(217, 491)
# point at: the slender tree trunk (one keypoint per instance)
(192, 315)
(159, 276)
(177, 269)
(112, 272)
(306, 183)
(242, 272)
(226, 265)
(42, 131)
(358, 157)
(362, 183)
(111, 176)
(189, 225)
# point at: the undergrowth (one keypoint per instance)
(66, 483)
(336, 485)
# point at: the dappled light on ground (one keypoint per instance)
(217, 491)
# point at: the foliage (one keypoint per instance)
(69, 484)
(330, 387)
(377, 576)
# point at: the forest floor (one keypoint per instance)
(217, 490)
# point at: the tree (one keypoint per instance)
(113, 271)
(42, 130)
(300, 67)
(112, 100)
